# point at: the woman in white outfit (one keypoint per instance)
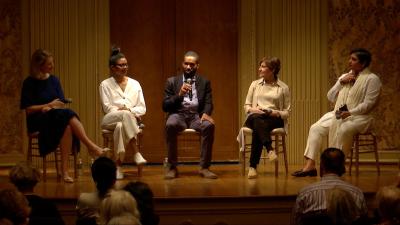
(359, 90)
(123, 104)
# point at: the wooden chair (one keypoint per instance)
(189, 144)
(108, 142)
(33, 152)
(278, 137)
(364, 143)
(187, 141)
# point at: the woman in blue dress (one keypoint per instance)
(43, 100)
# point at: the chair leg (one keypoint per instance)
(44, 168)
(357, 154)
(376, 155)
(242, 160)
(351, 158)
(284, 154)
(58, 174)
(74, 153)
(29, 153)
(277, 152)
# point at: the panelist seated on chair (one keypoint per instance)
(123, 104)
(43, 100)
(188, 102)
(356, 93)
(267, 106)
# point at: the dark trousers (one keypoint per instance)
(262, 125)
(176, 123)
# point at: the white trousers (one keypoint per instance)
(341, 139)
(318, 131)
(125, 128)
(346, 129)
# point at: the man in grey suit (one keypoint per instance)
(188, 102)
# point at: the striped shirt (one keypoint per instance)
(313, 197)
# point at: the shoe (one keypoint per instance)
(206, 173)
(138, 158)
(171, 174)
(68, 179)
(296, 172)
(301, 173)
(272, 156)
(252, 173)
(120, 173)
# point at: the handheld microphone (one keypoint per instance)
(189, 81)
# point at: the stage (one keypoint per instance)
(232, 198)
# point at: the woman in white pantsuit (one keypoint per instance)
(123, 103)
(359, 91)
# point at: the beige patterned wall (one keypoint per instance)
(374, 25)
(11, 125)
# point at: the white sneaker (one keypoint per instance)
(120, 174)
(138, 158)
(272, 156)
(252, 173)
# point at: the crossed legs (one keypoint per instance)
(76, 128)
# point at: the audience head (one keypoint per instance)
(104, 174)
(341, 207)
(118, 203)
(273, 63)
(24, 177)
(332, 161)
(41, 62)
(144, 198)
(388, 200)
(124, 220)
(363, 56)
(14, 208)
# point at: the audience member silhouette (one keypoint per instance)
(104, 175)
(388, 200)
(144, 198)
(14, 208)
(43, 211)
(118, 203)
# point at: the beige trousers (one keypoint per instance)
(341, 139)
(125, 128)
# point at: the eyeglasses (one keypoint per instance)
(122, 65)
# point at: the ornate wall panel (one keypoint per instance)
(11, 125)
(374, 25)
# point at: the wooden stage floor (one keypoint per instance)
(212, 195)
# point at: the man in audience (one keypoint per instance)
(43, 211)
(312, 199)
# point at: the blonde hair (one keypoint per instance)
(123, 220)
(39, 58)
(118, 203)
